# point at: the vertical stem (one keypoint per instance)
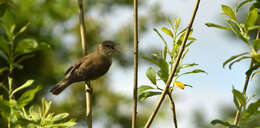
(173, 110)
(244, 93)
(84, 52)
(134, 112)
(245, 87)
(168, 83)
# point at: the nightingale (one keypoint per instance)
(90, 67)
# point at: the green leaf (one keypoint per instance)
(254, 74)
(43, 46)
(26, 46)
(3, 69)
(224, 123)
(25, 85)
(229, 12)
(236, 29)
(60, 117)
(251, 18)
(243, 3)
(4, 107)
(162, 38)
(238, 60)
(234, 57)
(192, 72)
(253, 27)
(177, 22)
(144, 88)
(236, 102)
(4, 44)
(2, 55)
(252, 109)
(217, 26)
(147, 94)
(28, 96)
(167, 31)
(152, 60)
(164, 70)
(241, 98)
(22, 29)
(256, 44)
(256, 57)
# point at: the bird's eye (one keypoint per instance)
(109, 46)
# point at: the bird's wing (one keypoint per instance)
(76, 65)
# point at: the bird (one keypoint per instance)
(90, 67)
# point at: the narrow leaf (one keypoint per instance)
(217, 26)
(28, 96)
(237, 30)
(179, 84)
(147, 94)
(252, 109)
(254, 74)
(2, 55)
(229, 12)
(144, 88)
(25, 85)
(241, 98)
(60, 117)
(234, 57)
(238, 60)
(167, 31)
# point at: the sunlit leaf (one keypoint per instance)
(229, 12)
(60, 117)
(176, 24)
(144, 88)
(251, 18)
(234, 57)
(147, 94)
(167, 31)
(22, 29)
(25, 85)
(253, 27)
(27, 96)
(217, 26)
(179, 84)
(241, 98)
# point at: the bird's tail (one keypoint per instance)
(59, 87)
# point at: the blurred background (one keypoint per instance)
(56, 22)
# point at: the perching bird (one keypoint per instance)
(89, 67)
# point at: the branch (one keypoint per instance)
(134, 112)
(173, 110)
(245, 87)
(150, 120)
(84, 52)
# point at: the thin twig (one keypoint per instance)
(245, 87)
(84, 52)
(150, 120)
(173, 110)
(134, 112)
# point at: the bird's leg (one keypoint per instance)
(88, 89)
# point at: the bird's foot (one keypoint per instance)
(89, 90)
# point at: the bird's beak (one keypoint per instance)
(116, 48)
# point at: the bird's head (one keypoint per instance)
(107, 48)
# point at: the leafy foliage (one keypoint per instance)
(241, 30)
(14, 50)
(164, 62)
